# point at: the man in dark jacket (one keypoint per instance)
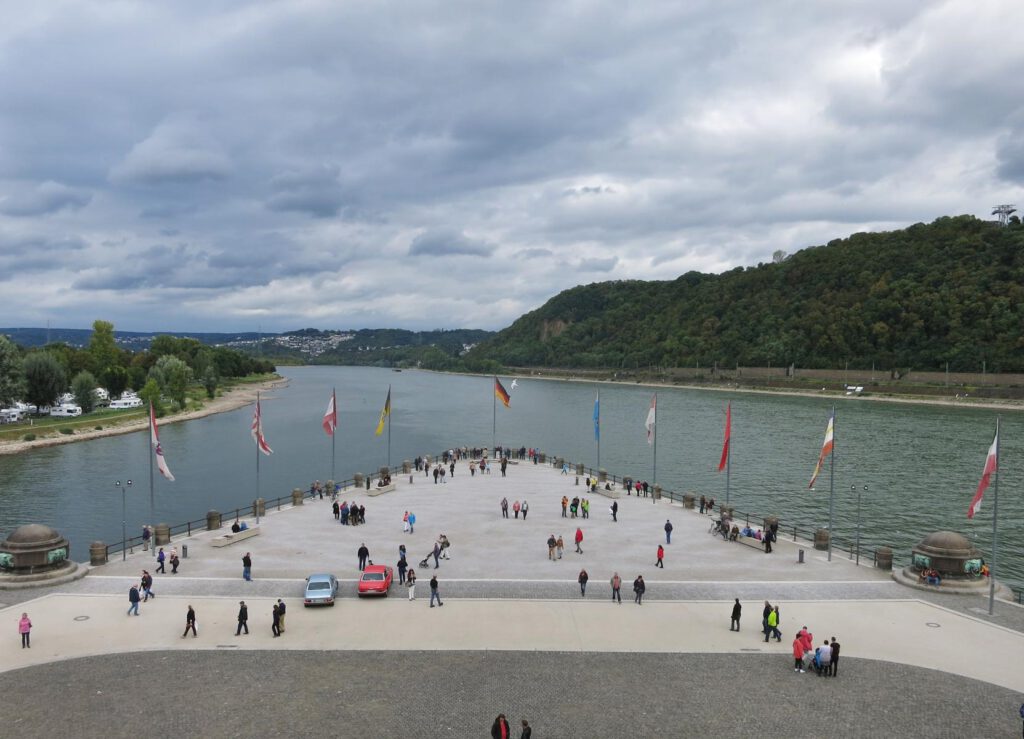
(668, 531)
(243, 618)
(735, 626)
(639, 588)
(133, 600)
(615, 510)
(275, 624)
(280, 610)
(190, 622)
(434, 592)
(247, 567)
(363, 553)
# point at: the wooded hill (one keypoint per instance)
(950, 291)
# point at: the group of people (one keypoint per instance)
(277, 614)
(349, 514)
(558, 545)
(501, 730)
(576, 507)
(162, 558)
(824, 659)
(517, 508)
(641, 487)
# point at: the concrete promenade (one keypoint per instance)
(505, 599)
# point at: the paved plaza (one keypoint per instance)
(515, 635)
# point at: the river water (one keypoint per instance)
(920, 463)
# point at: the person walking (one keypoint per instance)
(247, 567)
(560, 546)
(585, 505)
(25, 629)
(336, 509)
(402, 567)
(527, 732)
(579, 540)
(412, 522)
(668, 531)
(736, 608)
(500, 728)
(768, 538)
(504, 507)
(615, 511)
(174, 563)
(798, 654)
(133, 600)
(405, 523)
(639, 588)
(146, 535)
(363, 553)
(583, 582)
(281, 608)
(275, 624)
(243, 618)
(160, 558)
(773, 625)
(526, 509)
(565, 504)
(764, 618)
(616, 583)
(434, 592)
(147, 586)
(410, 582)
(437, 554)
(661, 556)
(551, 547)
(190, 622)
(835, 657)
(515, 508)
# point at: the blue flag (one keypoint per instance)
(597, 417)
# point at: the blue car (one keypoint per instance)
(320, 590)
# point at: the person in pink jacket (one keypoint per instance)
(25, 628)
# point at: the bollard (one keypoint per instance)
(602, 476)
(213, 521)
(579, 468)
(296, 497)
(543, 457)
(184, 551)
(821, 537)
(358, 479)
(657, 493)
(406, 466)
(688, 500)
(800, 557)
(883, 558)
(259, 507)
(162, 534)
(97, 553)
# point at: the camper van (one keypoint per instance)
(11, 415)
(126, 402)
(65, 410)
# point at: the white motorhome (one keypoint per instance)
(11, 415)
(65, 410)
(125, 402)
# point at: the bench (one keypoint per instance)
(231, 538)
(374, 491)
(750, 541)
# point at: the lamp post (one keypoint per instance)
(863, 490)
(124, 518)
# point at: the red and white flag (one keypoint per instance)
(154, 439)
(991, 465)
(652, 415)
(826, 448)
(728, 434)
(257, 430)
(331, 416)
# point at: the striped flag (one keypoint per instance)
(991, 465)
(826, 448)
(501, 393)
(652, 417)
(330, 422)
(154, 439)
(257, 430)
(384, 413)
(728, 434)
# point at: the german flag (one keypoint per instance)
(501, 393)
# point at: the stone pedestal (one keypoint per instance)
(543, 458)
(359, 479)
(213, 521)
(383, 472)
(689, 500)
(329, 487)
(883, 558)
(161, 534)
(821, 539)
(259, 507)
(406, 466)
(97, 553)
(296, 497)
(771, 521)
(32, 549)
(579, 468)
(602, 476)
(657, 492)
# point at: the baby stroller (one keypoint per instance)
(424, 562)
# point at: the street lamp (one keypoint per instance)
(124, 519)
(863, 490)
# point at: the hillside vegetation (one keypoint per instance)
(950, 291)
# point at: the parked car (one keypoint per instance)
(320, 590)
(375, 580)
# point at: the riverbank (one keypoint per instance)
(235, 397)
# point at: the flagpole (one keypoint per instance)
(995, 519)
(152, 508)
(598, 430)
(494, 414)
(831, 484)
(389, 429)
(654, 479)
(334, 431)
(728, 467)
(258, 432)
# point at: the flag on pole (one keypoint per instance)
(991, 465)
(826, 448)
(384, 413)
(597, 417)
(728, 434)
(257, 430)
(501, 393)
(154, 439)
(651, 419)
(330, 422)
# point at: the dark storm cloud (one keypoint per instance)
(440, 242)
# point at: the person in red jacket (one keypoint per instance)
(661, 556)
(798, 654)
(579, 540)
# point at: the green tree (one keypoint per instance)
(83, 386)
(150, 394)
(210, 381)
(115, 380)
(11, 373)
(103, 351)
(44, 379)
(175, 375)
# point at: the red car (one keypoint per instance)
(375, 580)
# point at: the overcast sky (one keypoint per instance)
(214, 165)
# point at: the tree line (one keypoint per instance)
(166, 370)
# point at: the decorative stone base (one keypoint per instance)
(978, 586)
(70, 572)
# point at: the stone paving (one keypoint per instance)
(500, 582)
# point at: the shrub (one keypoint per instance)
(98, 428)
(66, 430)
(28, 437)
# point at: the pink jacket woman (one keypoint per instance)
(24, 627)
